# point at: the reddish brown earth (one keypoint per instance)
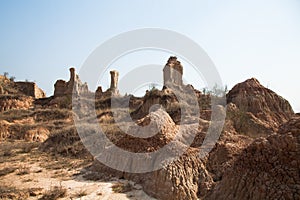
(267, 169)
(256, 110)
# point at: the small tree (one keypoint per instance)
(225, 89)
(152, 87)
(219, 91)
(12, 78)
(204, 91)
(5, 74)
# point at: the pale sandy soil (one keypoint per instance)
(39, 172)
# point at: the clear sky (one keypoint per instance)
(40, 40)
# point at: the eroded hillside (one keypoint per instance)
(256, 156)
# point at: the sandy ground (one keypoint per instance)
(25, 168)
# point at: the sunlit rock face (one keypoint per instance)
(256, 110)
(173, 71)
(73, 87)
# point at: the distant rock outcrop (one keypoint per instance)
(9, 87)
(113, 89)
(30, 89)
(173, 71)
(114, 76)
(256, 110)
(73, 87)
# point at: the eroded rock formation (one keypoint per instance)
(267, 169)
(185, 178)
(30, 89)
(256, 110)
(98, 92)
(173, 71)
(113, 89)
(73, 87)
(249, 161)
(9, 87)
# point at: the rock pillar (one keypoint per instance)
(173, 71)
(114, 76)
(72, 75)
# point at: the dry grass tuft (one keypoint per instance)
(54, 193)
(122, 187)
(8, 192)
(81, 193)
(23, 169)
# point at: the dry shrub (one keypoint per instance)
(15, 114)
(23, 169)
(122, 187)
(54, 193)
(81, 193)
(45, 115)
(8, 192)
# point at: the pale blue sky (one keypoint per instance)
(40, 40)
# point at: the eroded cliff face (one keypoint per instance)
(10, 87)
(30, 89)
(267, 169)
(255, 110)
(72, 87)
(18, 95)
(15, 102)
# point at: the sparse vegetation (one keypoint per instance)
(23, 170)
(81, 193)
(9, 192)
(11, 115)
(152, 87)
(122, 187)
(5, 74)
(27, 180)
(54, 193)
(12, 78)
(217, 90)
(67, 142)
